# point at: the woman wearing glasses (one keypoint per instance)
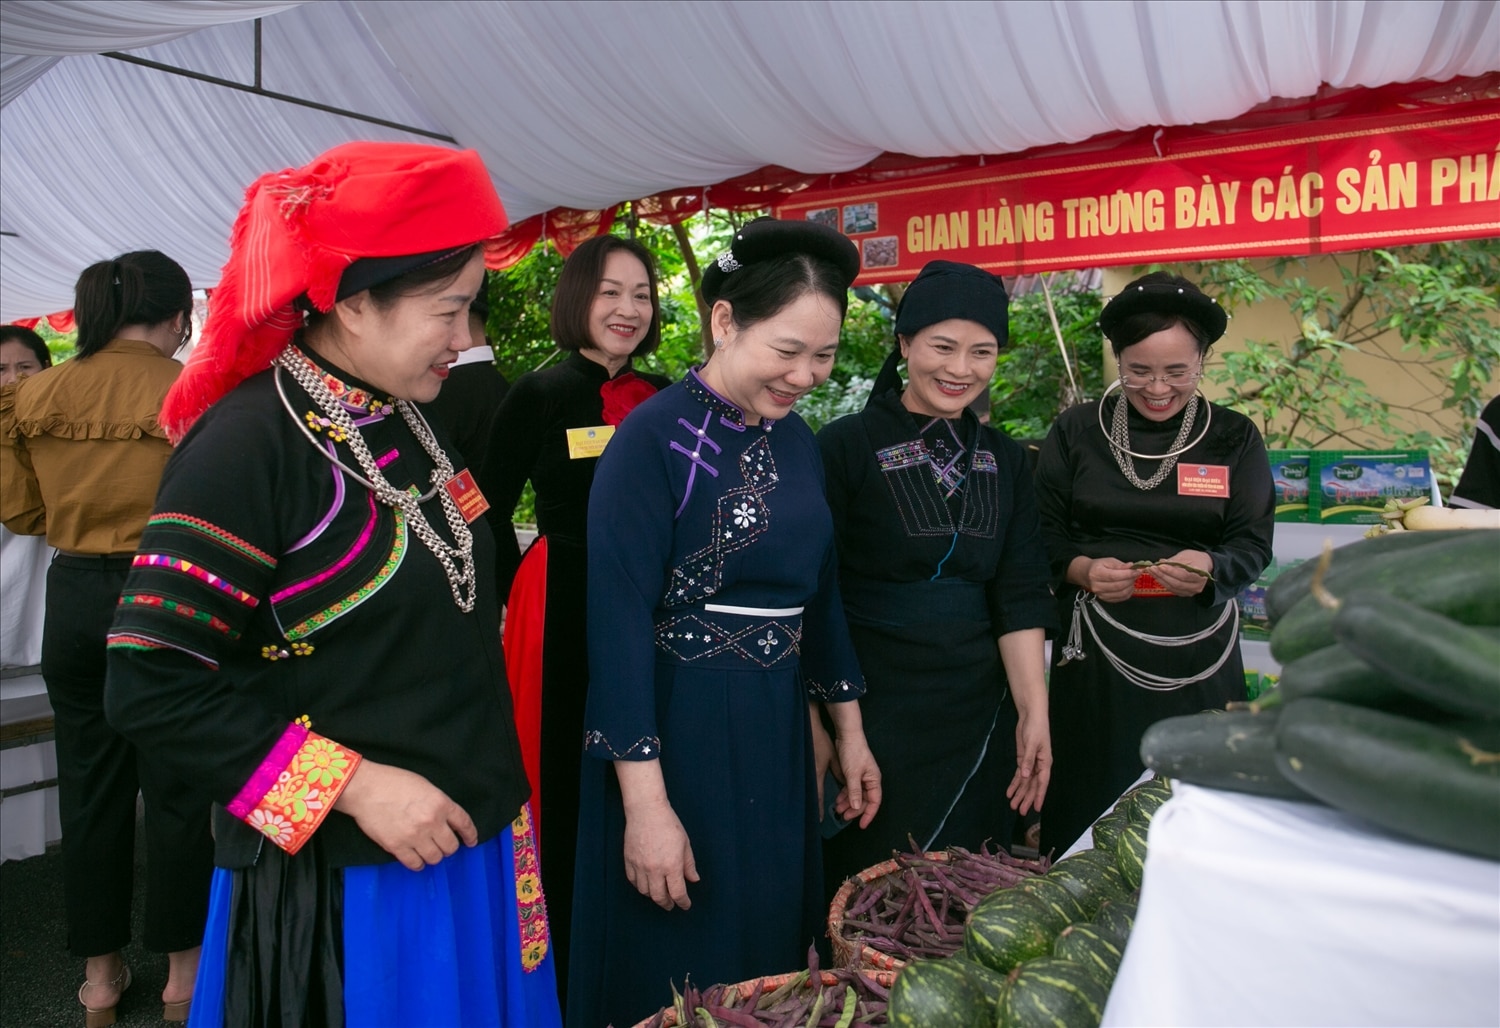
(1156, 508)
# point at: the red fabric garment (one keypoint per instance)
(300, 228)
(525, 619)
(622, 394)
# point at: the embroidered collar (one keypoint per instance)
(728, 412)
(348, 390)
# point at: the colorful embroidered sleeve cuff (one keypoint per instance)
(295, 787)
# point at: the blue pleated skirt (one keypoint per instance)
(441, 947)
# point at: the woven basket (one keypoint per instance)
(772, 982)
(853, 953)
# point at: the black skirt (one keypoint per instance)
(938, 718)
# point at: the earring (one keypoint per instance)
(718, 343)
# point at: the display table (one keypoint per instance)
(1268, 912)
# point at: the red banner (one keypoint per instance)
(1324, 187)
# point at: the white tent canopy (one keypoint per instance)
(585, 104)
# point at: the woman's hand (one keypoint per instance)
(1180, 582)
(1033, 763)
(658, 855)
(860, 796)
(1109, 579)
(405, 814)
(825, 756)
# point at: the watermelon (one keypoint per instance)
(1107, 829)
(1130, 854)
(1091, 949)
(932, 992)
(1058, 896)
(1052, 992)
(1008, 928)
(991, 983)
(1091, 876)
(1146, 798)
(1115, 919)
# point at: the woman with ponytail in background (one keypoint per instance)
(81, 454)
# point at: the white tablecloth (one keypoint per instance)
(1266, 912)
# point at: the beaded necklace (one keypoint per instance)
(457, 561)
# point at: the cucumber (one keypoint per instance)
(1430, 782)
(1432, 657)
(1288, 588)
(1233, 750)
(1455, 576)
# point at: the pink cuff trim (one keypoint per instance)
(265, 776)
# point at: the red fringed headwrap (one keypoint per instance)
(300, 228)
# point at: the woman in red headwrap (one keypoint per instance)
(308, 635)
(550, 431)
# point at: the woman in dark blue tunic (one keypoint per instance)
(715, 631)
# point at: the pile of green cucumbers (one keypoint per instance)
(1388, 705)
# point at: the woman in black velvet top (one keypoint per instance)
(550, 430)
(1157, 510)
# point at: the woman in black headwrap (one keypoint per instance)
(1157, 509)
(944, 578)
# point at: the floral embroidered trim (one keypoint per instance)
(203, 617)
(295, 787)
(321, 424)
(646, 747)
(531, 904)
(361, 399)
(354, 599)
(841, 690)
(187, 567)
(213, 531)
(141, 643)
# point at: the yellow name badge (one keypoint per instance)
(589, 442)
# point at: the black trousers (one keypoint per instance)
(98, 776)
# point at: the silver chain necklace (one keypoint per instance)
(457, 561)
(1119, 444)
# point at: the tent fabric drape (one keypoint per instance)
(575, 105)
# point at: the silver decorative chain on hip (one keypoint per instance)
(1086, 604)
(1119, 444)
(457, 561)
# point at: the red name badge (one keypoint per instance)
(471, 502)
(1203, 480)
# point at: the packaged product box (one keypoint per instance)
(1254, 622)
(1291, 472)
(1353, 485)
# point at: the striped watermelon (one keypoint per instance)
(1056, 895)
(1146, 798)
(1053, 993)
(1092, 877)
(1130, 854)
(991, 983)
(1091, 949)
(934, 992)
(1008, 928)
(1115, 919)
(1107, 829)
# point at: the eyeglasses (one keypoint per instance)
(1175, 379)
